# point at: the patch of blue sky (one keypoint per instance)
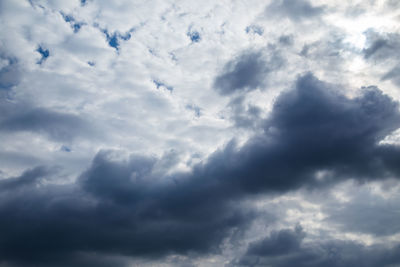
(194, 36)
(160, 84)
(45, 53)
(75, 25)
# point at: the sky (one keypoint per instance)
(199, 133)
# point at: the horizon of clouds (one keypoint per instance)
(185, 133)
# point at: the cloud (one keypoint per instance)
(384, 48)
(286, 39)
(56, 125)
(247, 72)
(129, 215)
(126, 207)
(27, 179)
(278, 243)
(312, 128)
(244, 116)
(287, 248)
(295, 10)
(365, 213)
(381, 46)
(20, 116)
(10, 73)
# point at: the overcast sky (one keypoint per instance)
(199, 133)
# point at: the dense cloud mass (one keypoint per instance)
(124, 207)
(199, 133)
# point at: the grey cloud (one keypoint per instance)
(392, 4)
(247, 72)
(278, 243)
(246, 116)
(114, 210)
(327, 53)
(286, 39)
(366, 213)
(379, 49)
(28, 178)
(394, 75)
(56, 125)
(9, 74)
(312, 128)
(16, 116)
(295, 10)
(293, 251)
(382, 48)
(128, 207)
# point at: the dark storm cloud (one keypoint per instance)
(128, 207)
(287, 248)
(247, 72)
(114, 209)
(278, 243)
(295, 10)
(28, 178)
(312, 128)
